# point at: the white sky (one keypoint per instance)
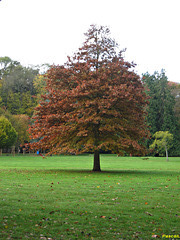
(46, 31)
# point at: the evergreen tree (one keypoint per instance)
(161, 115)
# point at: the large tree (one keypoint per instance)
(94, 102)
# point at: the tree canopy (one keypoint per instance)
(94, 102)
(6, 65)
(16, 87)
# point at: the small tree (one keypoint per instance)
(8, 134)
(162, 141)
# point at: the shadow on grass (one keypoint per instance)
(112, 172)
(85, 171)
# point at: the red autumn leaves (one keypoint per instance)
(94, 102)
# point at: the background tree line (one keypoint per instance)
(21, 88)
(163, 109)
(17, 90)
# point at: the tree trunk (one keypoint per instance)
(24, 151)
(13, 151)
(96, 167)
(166, 154)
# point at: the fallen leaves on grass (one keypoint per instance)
(114, 199)
(148, 213)
(46, 238)
(51, 212)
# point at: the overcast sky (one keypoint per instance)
(46, 31)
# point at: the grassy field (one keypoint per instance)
(61, 198)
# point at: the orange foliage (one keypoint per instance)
(94, 102)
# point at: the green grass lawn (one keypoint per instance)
(61, 198)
